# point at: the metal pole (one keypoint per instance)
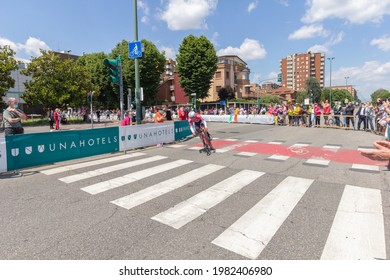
(129, 99)
(330, 81)
(137, 79)
(92, 108)
(120, 85)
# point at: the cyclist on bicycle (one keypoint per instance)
(197, 123)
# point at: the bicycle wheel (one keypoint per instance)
(206, 142)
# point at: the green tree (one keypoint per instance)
(269, 98)
(7, 65)
(337, 95)
(384, 95)
(56, 82)
(226, 93)
(106, 95)
(301, 96)
(196, 64)
(151, 65)
(375, 94)
(313, 88)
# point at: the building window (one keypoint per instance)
(218, 75)
(227, 75)
(218, 88)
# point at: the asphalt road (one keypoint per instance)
(245, 205)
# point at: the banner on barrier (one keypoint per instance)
(3, 154)
(182, 129)
(258, 119)
(42, 148)
(145, 135)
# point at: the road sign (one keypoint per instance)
(135, 49)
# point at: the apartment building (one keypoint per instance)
(232, 72)
(297, 68)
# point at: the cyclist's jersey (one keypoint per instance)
(196, 122)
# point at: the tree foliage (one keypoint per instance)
(151, 66)
(337, 95)
(301, 96)
(106, 95)
(7, 65)
(379, 93)
(269, 98)
(196, 64)
(226, 93)
(313, 89)
(56, 82)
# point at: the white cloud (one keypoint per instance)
(319, 49)
(6, 42)
(284, 3)
(169, 52)
(252, 6)
(31, 47)
(383, 43)
(309, 31)
(325, 48)
(366, 78)
(249, 50)
(142, 5)
(353, 11)
(188, 14)
(214, 39)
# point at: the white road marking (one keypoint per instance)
(252, 141)
(246, 154)
(251, 233)
(365, 167)
(299, 145)
(320, 162)
(279, 157)
(358, 231)
(275, 143)
(89, 163)
(162, 188)
(230, 139)
(106, 170)
(133, 177)
(331, 147)
(176, 146)
(197, 205)
(195, 148)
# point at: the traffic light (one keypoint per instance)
(89, 97)
(114, 69)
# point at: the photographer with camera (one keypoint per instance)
(12, 117)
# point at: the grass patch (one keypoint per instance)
(45, 121)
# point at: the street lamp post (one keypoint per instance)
(330, 80)
(194, 100)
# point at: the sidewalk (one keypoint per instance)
(65, 127)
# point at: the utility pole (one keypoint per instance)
(330, 81)
(120, 85)
(137, 79)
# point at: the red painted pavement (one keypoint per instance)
(340, 155)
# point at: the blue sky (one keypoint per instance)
(355, 32)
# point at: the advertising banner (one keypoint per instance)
(258, 119)
(42, 148)
(145, 135)
(182, 130)
(3, 155)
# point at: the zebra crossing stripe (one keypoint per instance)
(167, 186)
(89, 164)
(197, 205)
(195, 148)
(278, 157)
(331, 147)
(246, 154)
(252, 141)
(251, 233)
(176, 146)
(318, 162)
(106, 170)
(275, 143)
(364, 167)
(230, 139)
(299, 145)
(133, 177)
(358, 230)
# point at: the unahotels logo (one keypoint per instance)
(146, 135)
(63, 146)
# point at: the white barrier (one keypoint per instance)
(145, 135)
(3, 154)
(258, 119)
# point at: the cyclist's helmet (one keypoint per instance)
(191, 114)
